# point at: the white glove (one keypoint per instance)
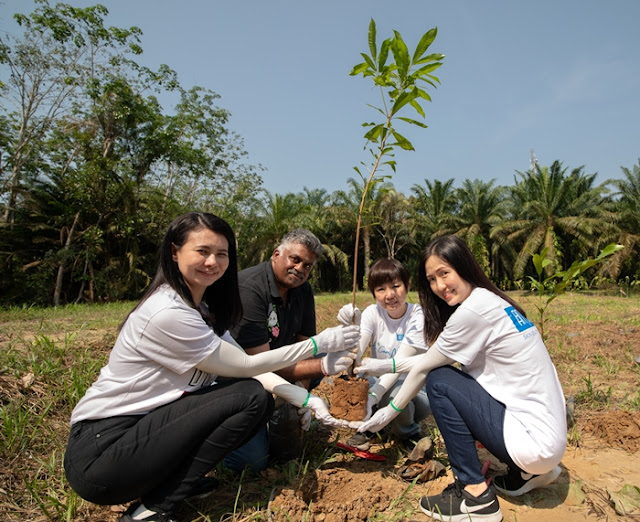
(305, 418)
(379, 420)
(337, 362)
(337, 338)
(371, 402)
(372, 366)
(349, 315)
(321, 411)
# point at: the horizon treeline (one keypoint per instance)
(93, 168)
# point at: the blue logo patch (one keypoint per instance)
(519, 320)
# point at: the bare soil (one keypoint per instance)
(348, 399)
(595, 362)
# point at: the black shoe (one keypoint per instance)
(360, 441)
(454, 504)
(156, 517)
(517, 482)
(409, 444)
(203, 488)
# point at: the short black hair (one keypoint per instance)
(387, 271)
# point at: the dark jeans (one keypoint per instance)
(158, 457)
(466, 413)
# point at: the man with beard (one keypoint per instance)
(279, 310)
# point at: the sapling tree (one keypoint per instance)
(556, 284)
(401, 78)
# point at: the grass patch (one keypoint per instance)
(50, 356)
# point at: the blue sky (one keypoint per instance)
(561, 77)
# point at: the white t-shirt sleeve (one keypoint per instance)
(368, 321)
(414, 329)
(177, 339)
(464, 336)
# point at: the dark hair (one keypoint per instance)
(456, 253)
(222, 297)
(387, 271)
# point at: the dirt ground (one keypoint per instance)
(595, 362)
(602, 457)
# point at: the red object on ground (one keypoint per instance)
(360, 453)
(485, 468)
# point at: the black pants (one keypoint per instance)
(158, 457)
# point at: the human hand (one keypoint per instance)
(337, 362)
(379, 420)
(338, 338)
(349, 315)
(320, 410)
(305, 418)
(371, 402)
(371, 366)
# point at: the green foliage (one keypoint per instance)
(401, 83)
(549, 288)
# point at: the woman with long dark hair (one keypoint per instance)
(156, 421)
(506, 394)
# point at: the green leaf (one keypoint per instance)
(403, 99)
(401, 55)
(384, 53)
(413, 122)
(369, 61)
(374, 133)
(426, 69)
(436, 57)
(423, 94)
(373, 48)
(361, 67)
(418, 108)
(424, 43)
(402, 141)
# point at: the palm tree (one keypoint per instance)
(555, 210)
(346, 208)
(626, 215)
(433, 205)
(481, 207)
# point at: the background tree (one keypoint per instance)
(480, 208)
(549, 206)
(433, 205)
(624, 212)
(394, 224)
(62, 47)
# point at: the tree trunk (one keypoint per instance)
(366, 253)
(58, 288)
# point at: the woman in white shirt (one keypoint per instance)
(390, 325)
(156, 421)
(506, 394)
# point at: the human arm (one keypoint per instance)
(301, 371)
(349, 314)
(228, 361)
(298, 396)
(421, 366)
(387, 380)
(401, 363)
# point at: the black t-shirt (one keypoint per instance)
(265, 317)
